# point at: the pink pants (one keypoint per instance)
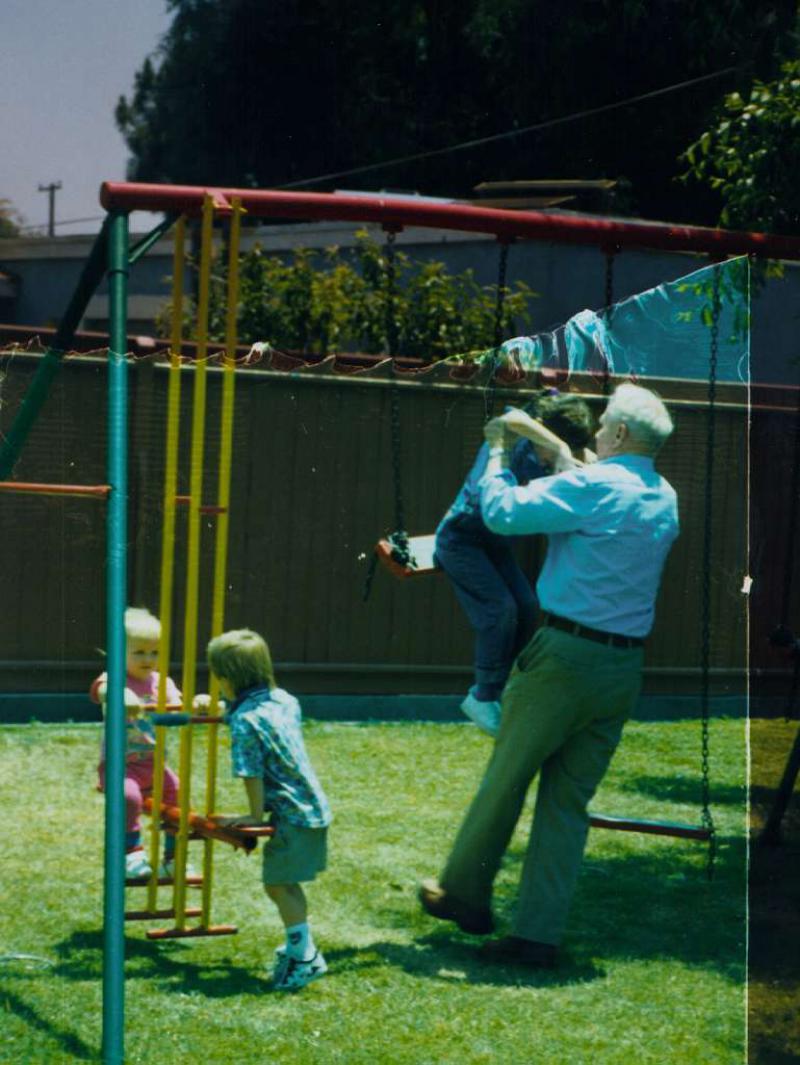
(138, 784)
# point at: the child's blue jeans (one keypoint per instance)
(495, 595)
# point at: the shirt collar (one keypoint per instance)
(633, 462)
(244, 694)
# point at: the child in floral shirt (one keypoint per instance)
(268, 753)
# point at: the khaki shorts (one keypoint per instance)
(294, 854)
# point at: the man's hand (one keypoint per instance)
(547, 443)
(565, 460)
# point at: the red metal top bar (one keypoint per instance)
(395, 212)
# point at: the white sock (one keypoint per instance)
(299, 942)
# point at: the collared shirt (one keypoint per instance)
(267, 742)
(610, 526)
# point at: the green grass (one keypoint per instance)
(652, 968)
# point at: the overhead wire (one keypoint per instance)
(534, 128)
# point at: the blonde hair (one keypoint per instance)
(140, 624)
(241, 657)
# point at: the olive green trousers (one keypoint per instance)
(563, 711)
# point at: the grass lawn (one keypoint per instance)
(774, 920)
(653, 966)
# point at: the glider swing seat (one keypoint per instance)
(405, 556)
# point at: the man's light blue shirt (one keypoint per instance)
(610, 526)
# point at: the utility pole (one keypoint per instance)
(51, 190)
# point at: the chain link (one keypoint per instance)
(499, 308)
(608, 311)
(783, 636)
(705, 655)
(399, 538)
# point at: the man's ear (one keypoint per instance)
(621, 433)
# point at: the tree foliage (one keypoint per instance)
(267, 92)
(341, 302)
(750, 155)
(10, 219)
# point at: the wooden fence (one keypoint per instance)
(312, 491)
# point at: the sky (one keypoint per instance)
(64, 65)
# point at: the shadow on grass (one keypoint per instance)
(656, 905)
(680, 789)
(454, 961)
(168, 964)
(69, 1042)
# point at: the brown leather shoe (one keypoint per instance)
(442, 905)
(514, 950)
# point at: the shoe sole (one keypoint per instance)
(449, 911)
(305, 983)
(480, 724)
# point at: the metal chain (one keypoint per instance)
(399, 538)
(499, 308)
(705, 654)
(783, 636)
(608, 310)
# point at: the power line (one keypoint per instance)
(548, 124)
(63, 222)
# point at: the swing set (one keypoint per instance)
(111, 256)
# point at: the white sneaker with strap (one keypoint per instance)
(291, 974)
(137, 865)
(485, 714)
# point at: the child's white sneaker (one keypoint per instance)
(290, 974)
(486, 715)
(137, 865)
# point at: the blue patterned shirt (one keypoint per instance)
(465, 513)
(267, 742)
(609, 526)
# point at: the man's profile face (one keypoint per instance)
(608, 437)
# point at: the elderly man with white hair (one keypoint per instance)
(609, 527)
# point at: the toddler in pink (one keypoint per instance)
(143, 633)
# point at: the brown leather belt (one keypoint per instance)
(611, 639)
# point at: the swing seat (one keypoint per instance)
(653, 828)
(421, 564)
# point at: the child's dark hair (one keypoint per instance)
(242, 657)
(566, 415)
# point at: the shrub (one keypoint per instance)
(322, 302)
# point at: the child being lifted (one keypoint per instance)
(494, 593)
(269, 755)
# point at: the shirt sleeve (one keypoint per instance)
(94, 688)
(247, 753)
(547, 505)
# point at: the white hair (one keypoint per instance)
(140, 624)
(648, 420)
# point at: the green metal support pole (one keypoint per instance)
(146, 243)
(116, 595)
(50, 365)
